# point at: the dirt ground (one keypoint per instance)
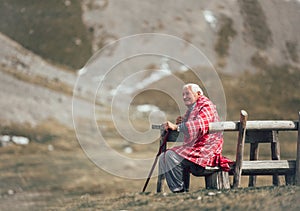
(267, 198)
(61, 177)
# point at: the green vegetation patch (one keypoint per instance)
(225, 34)
(257, 31)
(292, 47)
(52, 29)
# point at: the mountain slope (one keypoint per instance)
(32, 90)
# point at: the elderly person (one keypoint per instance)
(199, 148)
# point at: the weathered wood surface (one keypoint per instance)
(159, 185)
(161, 177)
(251, 125)
(157, 127)
(253, 156)
(261, 136)
(275, 153)
(218, 180)
(254, 125)
(297, 173)
(240, 149)
(260, 167)
(289, 168)
(268, 167)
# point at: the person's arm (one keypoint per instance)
(179, 126)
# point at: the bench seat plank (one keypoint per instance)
(259, 167)
(268, 167)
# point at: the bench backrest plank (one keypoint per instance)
(251, 125)
(254, 125)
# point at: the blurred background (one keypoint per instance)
(253, 46)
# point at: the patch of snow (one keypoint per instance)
(5, 138)
(81, 71)
(156, 75)
(20, 140)
(10, 192)
(128, 150)
(147, 108)
(50, 147)
(210, 18)
(183, 68)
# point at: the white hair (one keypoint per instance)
(194, 87)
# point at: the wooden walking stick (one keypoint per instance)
(156, 159)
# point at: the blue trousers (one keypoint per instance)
(176, 170)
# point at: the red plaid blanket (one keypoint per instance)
(199, 146)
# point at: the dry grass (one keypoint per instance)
(268, 94)
(249, 199)
(52, 84)
(65, 179)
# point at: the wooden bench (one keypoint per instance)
(252, 132)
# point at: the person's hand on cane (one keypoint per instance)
(170, 125)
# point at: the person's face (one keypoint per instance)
(189, 97)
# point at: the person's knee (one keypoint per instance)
(161, 157)
(168, 154)
(173, 157)
(165, 156)
(171, 154)
(166, 160)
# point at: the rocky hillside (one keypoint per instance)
(237, 36)
(229, 32)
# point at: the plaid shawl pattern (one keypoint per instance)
(199, 145)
